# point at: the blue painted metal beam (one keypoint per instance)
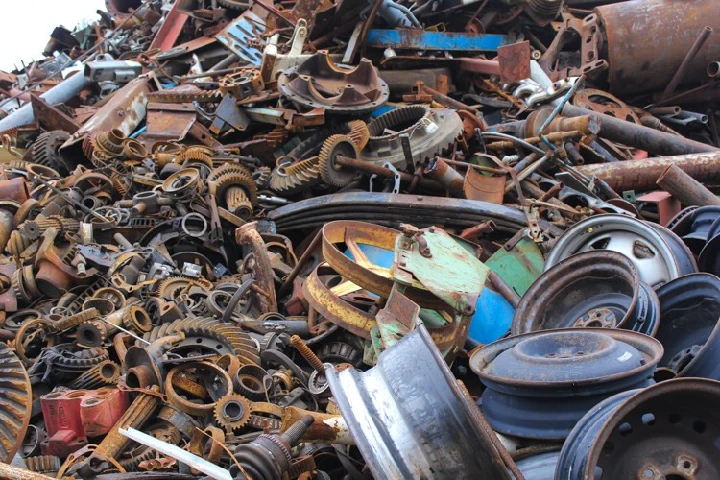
(410, 39)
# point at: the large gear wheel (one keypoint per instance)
(15, 403)
(232, 412)
(332, 173)
(185, 93)
(209, 335)
(45, 150)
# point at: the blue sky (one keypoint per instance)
(27, 25)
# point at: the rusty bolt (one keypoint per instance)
(307, 354)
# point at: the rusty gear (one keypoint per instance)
(359, 132)
(185, 93)
(43, 463)
(232, 412)
(45, 150)
(169, 288)
(292, 177)
(242, 84)
(104, 373)
(15, 403)
(333, 173)
(209, 334)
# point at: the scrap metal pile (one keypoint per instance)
(386, 238)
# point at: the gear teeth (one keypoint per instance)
(223, 178)
(262, 176)
(104, 373)
(274, 138)
(295, 177)
(228, 335)
(45, 150)
(15, 403)
(195, 155)
(185, 94)
(334, 145)
(170, 287)
(43, 464)
(237, 417)
(359, 133)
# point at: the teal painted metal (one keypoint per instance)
(410, 39)
(520, 266)
(436, 261)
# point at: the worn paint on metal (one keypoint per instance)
(518, 267)
(422, 40)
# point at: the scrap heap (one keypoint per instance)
(387, 238)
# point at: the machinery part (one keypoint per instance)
(689, 327)
(253, 382)
(307, 354)
(431, 132)
(658, 254)
(232, 412)
(591, 289)
(332, 172)
(43, 464)
(142, 409)
(319, 83)
(291, 176)
(359, 132)
(619, 438)
(242, 84)
(182, 184)
(701, 221)
(171, 287)
(208, 335)
(539, 384)
(111, 142)
(32, 338)
(438, 435)
(45, 150)
(603, 102)
(262, 267)
(189, 386)
(15, 403)
(240, 5)
(269, 456)
(234, 186)
(104, 373)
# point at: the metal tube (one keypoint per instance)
(689, 57)
(686, 189)
(638, 136)
(61, 93)
(643, 174)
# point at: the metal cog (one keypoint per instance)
(333, 174)
(232, 175)
(359, 133)
(232, 412)
(15, 403)
(292, 177)
(45, 150)
(185, 94)
(169, 288)
(195, 155)
(209, 334)
(262, 176)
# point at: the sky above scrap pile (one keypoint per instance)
(27, 25)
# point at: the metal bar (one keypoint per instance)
(686, 189)
(405, 38)
(689, 57)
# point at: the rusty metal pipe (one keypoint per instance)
(641, 137)
(480, 65)
(8, 472)
(440, 171)
(713, 69)
(643, 174)
(686, 189)
(380, 171)
(15, 190)
(6, 227)
(689, 57)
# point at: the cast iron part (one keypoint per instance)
(320, 83)
(439, 434)
(659, 254)
(666, 431)
(539, 384)
(689, 328)
(590, 289)
(431, 132)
